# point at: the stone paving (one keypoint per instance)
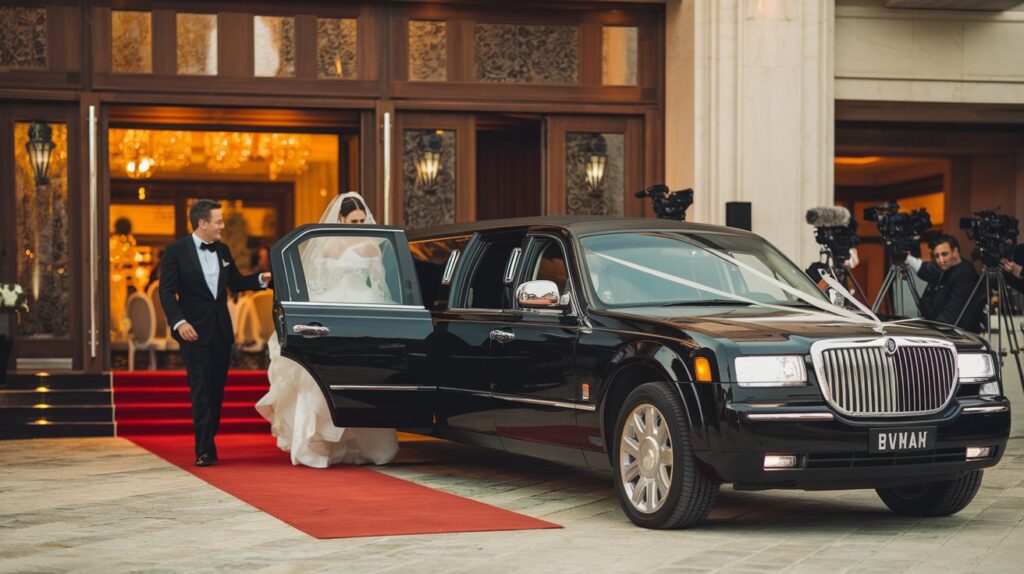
(104, 504)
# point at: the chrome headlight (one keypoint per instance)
(771, 371)
(975, 367)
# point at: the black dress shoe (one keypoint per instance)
(204, 460)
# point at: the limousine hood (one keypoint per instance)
(753, 324)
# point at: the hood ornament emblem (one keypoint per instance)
(890, 346)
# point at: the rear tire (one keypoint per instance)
(655, 472)
(933, 498)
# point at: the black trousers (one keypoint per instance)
(207, 367)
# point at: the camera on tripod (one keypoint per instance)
(900, 231)
(668, 204)
(833, 230)
(994, 234)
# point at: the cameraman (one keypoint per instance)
(1012, 269)
(950, 283)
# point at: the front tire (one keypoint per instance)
(934, 498)
(655, 472)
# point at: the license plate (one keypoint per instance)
(901, 440)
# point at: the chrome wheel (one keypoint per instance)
(645, 458)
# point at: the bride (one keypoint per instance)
(338, 270)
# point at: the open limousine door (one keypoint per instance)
(347, 307)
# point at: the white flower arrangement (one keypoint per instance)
(12, 296)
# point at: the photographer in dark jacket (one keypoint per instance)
(950, 283)
(1012, 269)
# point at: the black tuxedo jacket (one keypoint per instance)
(185, 295)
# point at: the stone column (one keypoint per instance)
(749, 112)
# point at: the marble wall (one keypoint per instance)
(928, 55)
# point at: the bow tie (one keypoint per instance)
(208, 246)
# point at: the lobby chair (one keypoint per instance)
(163, 330)
(142, 335)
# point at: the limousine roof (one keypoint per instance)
(575, 224)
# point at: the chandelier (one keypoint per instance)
(285, 153)
(140, 153)
(227, 151)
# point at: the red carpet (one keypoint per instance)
(157, 402)
(343, 501)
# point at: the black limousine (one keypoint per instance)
(678, 356)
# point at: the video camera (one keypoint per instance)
(901, 232)
(668, 204)
(994, 234)
(833, 229)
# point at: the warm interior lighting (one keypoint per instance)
(702, 369)
(42, 374)
(42, 389)
(865, 160)
(142, 193)
(41, 406)
(42, 422)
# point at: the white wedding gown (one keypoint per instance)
(295, 407)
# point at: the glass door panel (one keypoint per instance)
(594, 165)
(434, 182)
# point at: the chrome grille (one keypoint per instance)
(859, 378)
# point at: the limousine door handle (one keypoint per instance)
(502, 336)
(312, 330)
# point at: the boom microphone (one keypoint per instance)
(828, 216)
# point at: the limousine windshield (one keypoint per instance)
(664, 268)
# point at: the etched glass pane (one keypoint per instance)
(132, 42)
(22, 38)
(197, 44)
(428, 177)
(594, 173)
(428, 51)
(618, 56)
(526, 54)
(337, 48)
(41, 203)
(274, 46)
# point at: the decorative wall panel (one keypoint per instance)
(132, 42)
(428, 51)
(426, 205)
(337, 48)
(274, 46)
(197, 44)
(43, 265)
(607, 197)
(526, 54)
(619, 56)
(22, 38)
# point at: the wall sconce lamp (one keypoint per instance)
(40, 144)
(428, 162)
(597, 159)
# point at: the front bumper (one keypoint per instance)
(833, 450)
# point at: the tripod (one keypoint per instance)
(840, 273)
(1004, 314)
(899, 275)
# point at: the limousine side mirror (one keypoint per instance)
(541, 294)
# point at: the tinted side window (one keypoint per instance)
(430, 258)
(549, 264)
(486, 288)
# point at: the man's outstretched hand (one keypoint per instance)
(187, 332)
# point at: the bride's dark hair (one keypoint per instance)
(348, 205)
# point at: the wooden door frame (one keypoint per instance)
(636, 170)
(77, 213)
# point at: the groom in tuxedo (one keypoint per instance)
(194, 272)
